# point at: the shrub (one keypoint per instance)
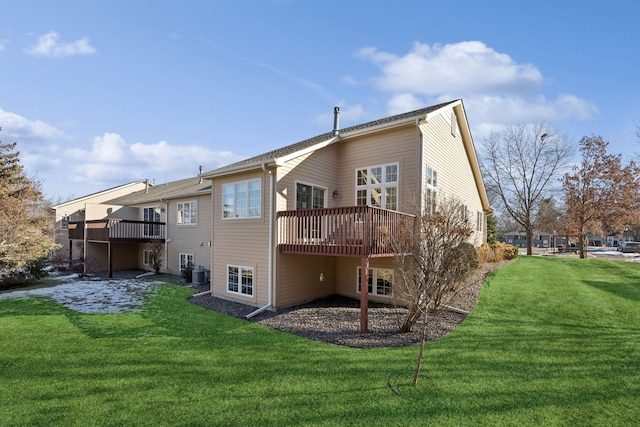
(486, 253)
(469, 256)
(31, 273)
(497, 252)
(60, 260)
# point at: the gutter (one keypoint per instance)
(167, 240)
(271, 224)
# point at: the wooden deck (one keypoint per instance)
(360, 231)
(118, 231)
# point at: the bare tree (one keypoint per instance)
(431, 262)
(520, 165)
(155, 255)
(602, 195)
(551, 218)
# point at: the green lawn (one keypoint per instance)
(551, 342)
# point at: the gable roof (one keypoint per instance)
(188, 187)
(97, 194)
(280, 155)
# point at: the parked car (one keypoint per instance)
(571, 248)
(629, 247)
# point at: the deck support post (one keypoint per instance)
(110, 261)
(364, 294)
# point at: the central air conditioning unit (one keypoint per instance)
(199, 277)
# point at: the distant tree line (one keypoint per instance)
(535, 183)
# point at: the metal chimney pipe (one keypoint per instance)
(201, 168)
(336, 120)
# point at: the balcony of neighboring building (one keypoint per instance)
(117, 231)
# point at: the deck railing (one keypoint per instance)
(117, 230)
(346, 231)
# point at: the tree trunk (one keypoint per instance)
(529, 232)
(416, 374)
(410, 320)
(581, 248)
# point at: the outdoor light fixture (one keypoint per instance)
(336, 193)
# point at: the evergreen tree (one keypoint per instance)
(24, 221)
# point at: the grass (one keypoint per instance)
(550, 342)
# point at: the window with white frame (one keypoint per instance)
(378, 186)
(432, 177)
(65, 222)
(455, 130)
(464, 212)
(241, 199)
(431, 190)
(381, 277)
(186, 261)
(187, 213)
(240, 280)
(479, 221)
(146, 257)
(310, 196)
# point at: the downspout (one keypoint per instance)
(420, 167)
(271, 224)
(166, 234)
(85, 243)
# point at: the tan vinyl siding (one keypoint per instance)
(299, 279)
(318, 168)
(446, 154)
(189, 238)
(241, 242)
(96, 211)
(181, 239)
(400, 145)
(74, 209)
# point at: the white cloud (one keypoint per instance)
(496, 89)
(48, 45)
(461, 67)
(403, 102)
(112, 161)
(19, 128)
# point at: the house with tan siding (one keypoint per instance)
(118, 233)
(74, 210)
(310, 220)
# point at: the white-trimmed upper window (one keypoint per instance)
(242, 199)
(479, 221)
(240, 280)
(187, 213)
(383, 279)
(378, 186)
(431, 191)
(432, 177)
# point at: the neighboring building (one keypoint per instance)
(117, 233)
(73, 210)
(184, 209)
(309, 220)
(540, 240)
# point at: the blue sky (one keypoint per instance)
(99, 94)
